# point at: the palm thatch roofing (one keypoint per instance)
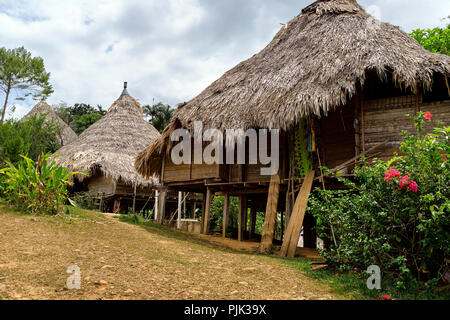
(109, 146)
(312, 66)
(66, 134)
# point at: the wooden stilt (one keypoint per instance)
(241, 217)
(271, 215)
(156, 205)
(162, 206)
(226, 212)
(292, 236)
(207, 215)
(202, 219)
(180, 204)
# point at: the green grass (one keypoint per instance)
(354, 284)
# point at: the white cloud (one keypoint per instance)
(167, 50)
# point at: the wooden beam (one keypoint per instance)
(162, 206)
(271, 215)
(241, 217)
(226, 212)
(298, 215)
(207, 211)
(343, 165)
(180, 204)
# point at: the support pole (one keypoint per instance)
(134, 199)
(226, 212)
(162, 206)
(294, 229)
(241, 217)
(271, 215)
(180, 204)
(207, 215)
(156, 205)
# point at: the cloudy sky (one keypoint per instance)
(168, 50)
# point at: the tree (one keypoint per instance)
(32, 137)
(159, 114)
(436, 40)
(80, 116)
(19, 70)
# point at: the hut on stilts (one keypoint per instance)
(337, 83)
(65, 133)
(107, 151)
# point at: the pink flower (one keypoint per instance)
(390, 174)
(386, 297)
(413, 186)
(428, 116)
(404, 183)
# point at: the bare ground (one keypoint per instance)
(124, 261)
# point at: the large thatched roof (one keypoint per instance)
(110, 145)
(312, 65)
(66, 134)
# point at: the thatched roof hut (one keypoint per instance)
(312, 66)
(66, 134)
(109, 147)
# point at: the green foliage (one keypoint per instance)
(159, 114)
(302, 157)
(217, 212)
(20, 71)
(80, 116)
(397, 214)
(30, 138)
(436, 40)
(85, 200)
(36, 187)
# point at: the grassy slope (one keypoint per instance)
(125, 261)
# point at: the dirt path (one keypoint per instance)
(123, 261)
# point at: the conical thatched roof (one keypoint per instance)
(110, 145)
(312, 65)
(66, 134)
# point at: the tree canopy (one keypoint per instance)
(436, 40)
(80, 116)
(159, 114)
(30, 138)
(19, 70)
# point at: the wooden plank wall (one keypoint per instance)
(385, 119)
(338, 136)
(101, 184)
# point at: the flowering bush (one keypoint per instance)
(396, 214)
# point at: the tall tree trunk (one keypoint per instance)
(6, 103)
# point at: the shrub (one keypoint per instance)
(36, 187)
(396, 214)
(30, 138)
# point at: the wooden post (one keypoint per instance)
(226, 212)
(271, 215)
(202, 219)
(134, 199)
(292, 237)
(162, 206)
(241, 217)
(180, 204)
(207, 215)
(194, 208)
(101, 202)
(156, 205)
(252, 219)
